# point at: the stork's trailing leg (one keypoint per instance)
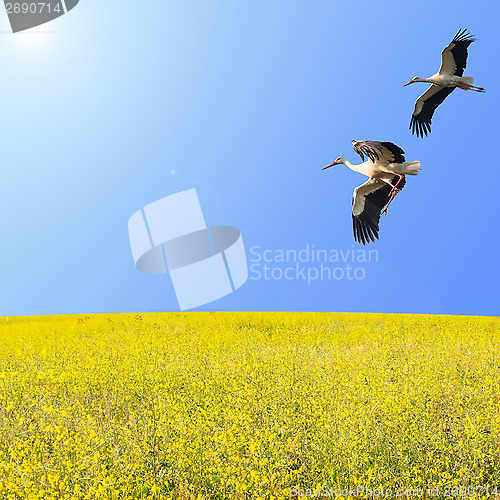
(394, 192)
(395, 188)
(468, 86)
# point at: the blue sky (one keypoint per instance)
(116, 105)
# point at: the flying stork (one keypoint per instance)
(386, 169)
(443, 83)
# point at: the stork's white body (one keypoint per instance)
(384, 171)
(445, 80)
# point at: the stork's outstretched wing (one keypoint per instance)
(454, 57)
(367, 204)
(379, 151)
(425, 106)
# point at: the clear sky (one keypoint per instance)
(118, 104)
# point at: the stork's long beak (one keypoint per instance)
(331, 165)
(411, 81)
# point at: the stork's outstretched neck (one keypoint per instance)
(362, 168)
(348, 164)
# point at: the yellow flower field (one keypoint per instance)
(249, 405)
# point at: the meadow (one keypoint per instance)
(248, 406)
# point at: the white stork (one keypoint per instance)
(444, 82)
(386, 169)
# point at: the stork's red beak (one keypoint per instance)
(331, 165)
(411, 81)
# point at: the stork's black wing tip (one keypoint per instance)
(419, 127)
(463, 36)
(364, 231)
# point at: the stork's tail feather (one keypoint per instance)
(467, 79)
(412, 167)
(408, 168)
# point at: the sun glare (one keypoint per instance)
(32, 40)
